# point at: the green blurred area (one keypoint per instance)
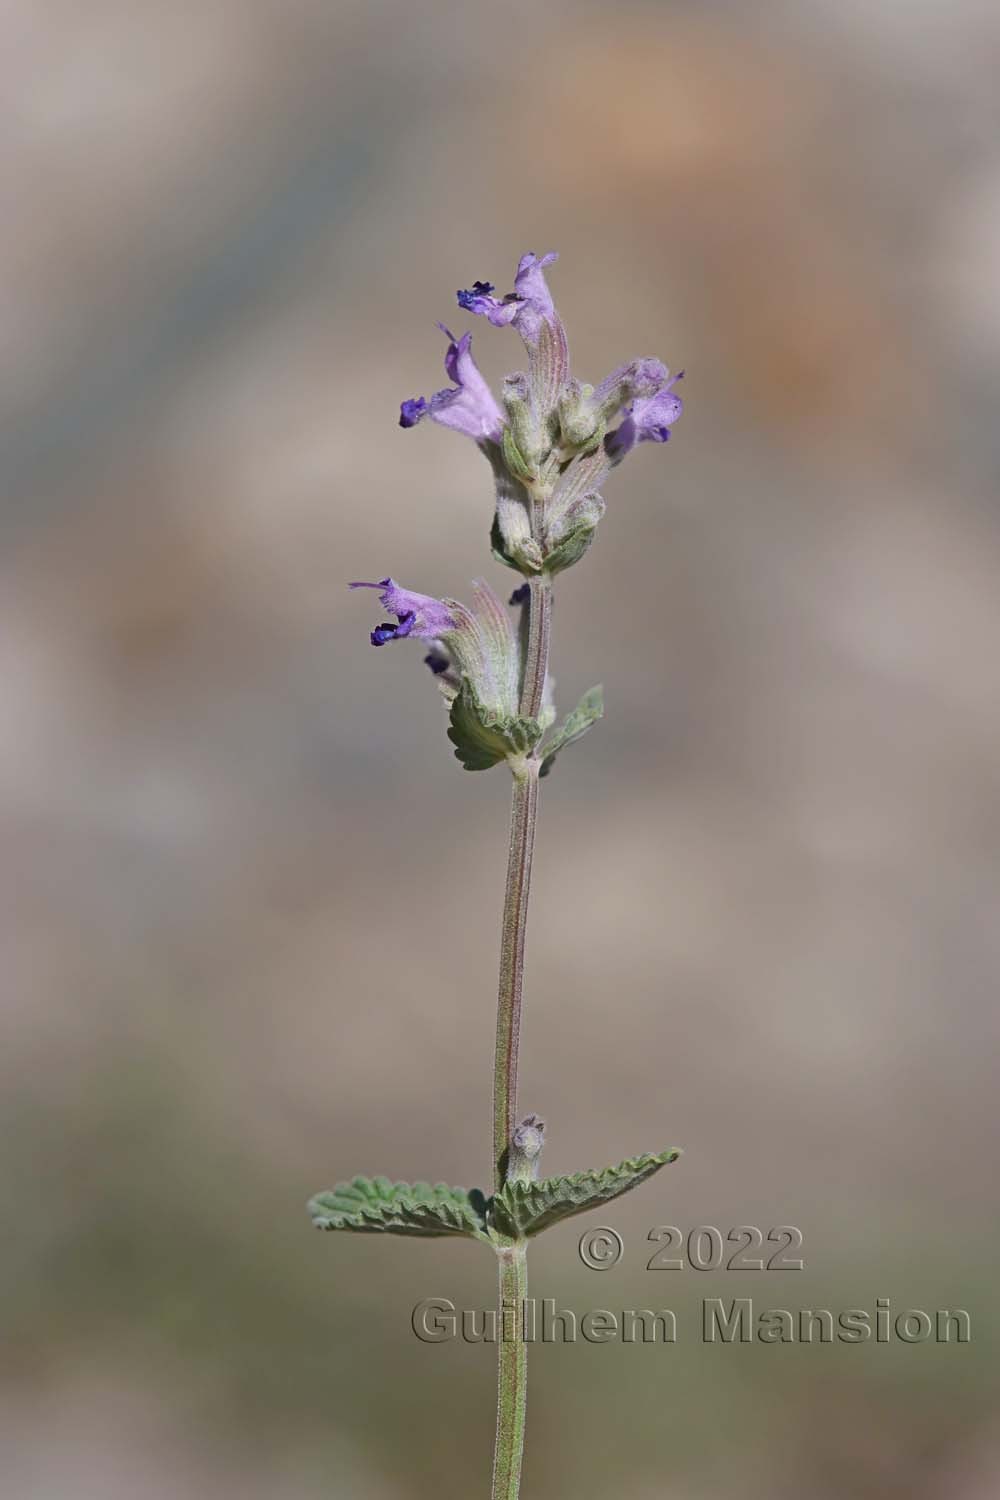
(250, 904)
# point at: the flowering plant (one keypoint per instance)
(550, 442)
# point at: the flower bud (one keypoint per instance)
(524, 443)
(581, 425)
(524, 1155)
(569, 539)
(512, 538)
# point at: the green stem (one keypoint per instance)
(512, 1374)
(523, 813)
(536, 663)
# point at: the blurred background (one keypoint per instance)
(251, 903)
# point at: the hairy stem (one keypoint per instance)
(523, 812)
(512, 1369)
(536, 663)
(512, 1374)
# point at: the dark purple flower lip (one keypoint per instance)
(410, 412)
(383, 633)
(418, 615)
(437, 662)
(477, 290)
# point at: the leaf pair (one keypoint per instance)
(483, 739)
(521, 1209)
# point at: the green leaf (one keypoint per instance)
(526, 1208)
(586, 713)
(483, 739)
(374, 1205)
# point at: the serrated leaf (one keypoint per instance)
(374, 1205)
(478, 745)
(586, 713)
(482, 739)
(526, 1208)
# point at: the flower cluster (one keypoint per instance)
(550, 441)
(555, 439)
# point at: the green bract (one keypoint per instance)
(483, 738)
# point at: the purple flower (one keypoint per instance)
(479, 299)
(469, 406)
(647, 419)
(635, 381)
(531, 287)
(417, 614)
(528, 306)
(477, 645)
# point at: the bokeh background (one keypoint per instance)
(250, 902)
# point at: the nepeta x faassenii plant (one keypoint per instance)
(550, 445)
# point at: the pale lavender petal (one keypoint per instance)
(479, 299)
(536, 299)
(418, 615)
(531, 310)
(528, 306)
(636, 380)
(469, 406)
(647, 420)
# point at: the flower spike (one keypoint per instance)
(552, 439)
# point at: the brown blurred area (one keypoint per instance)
(250, 903)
